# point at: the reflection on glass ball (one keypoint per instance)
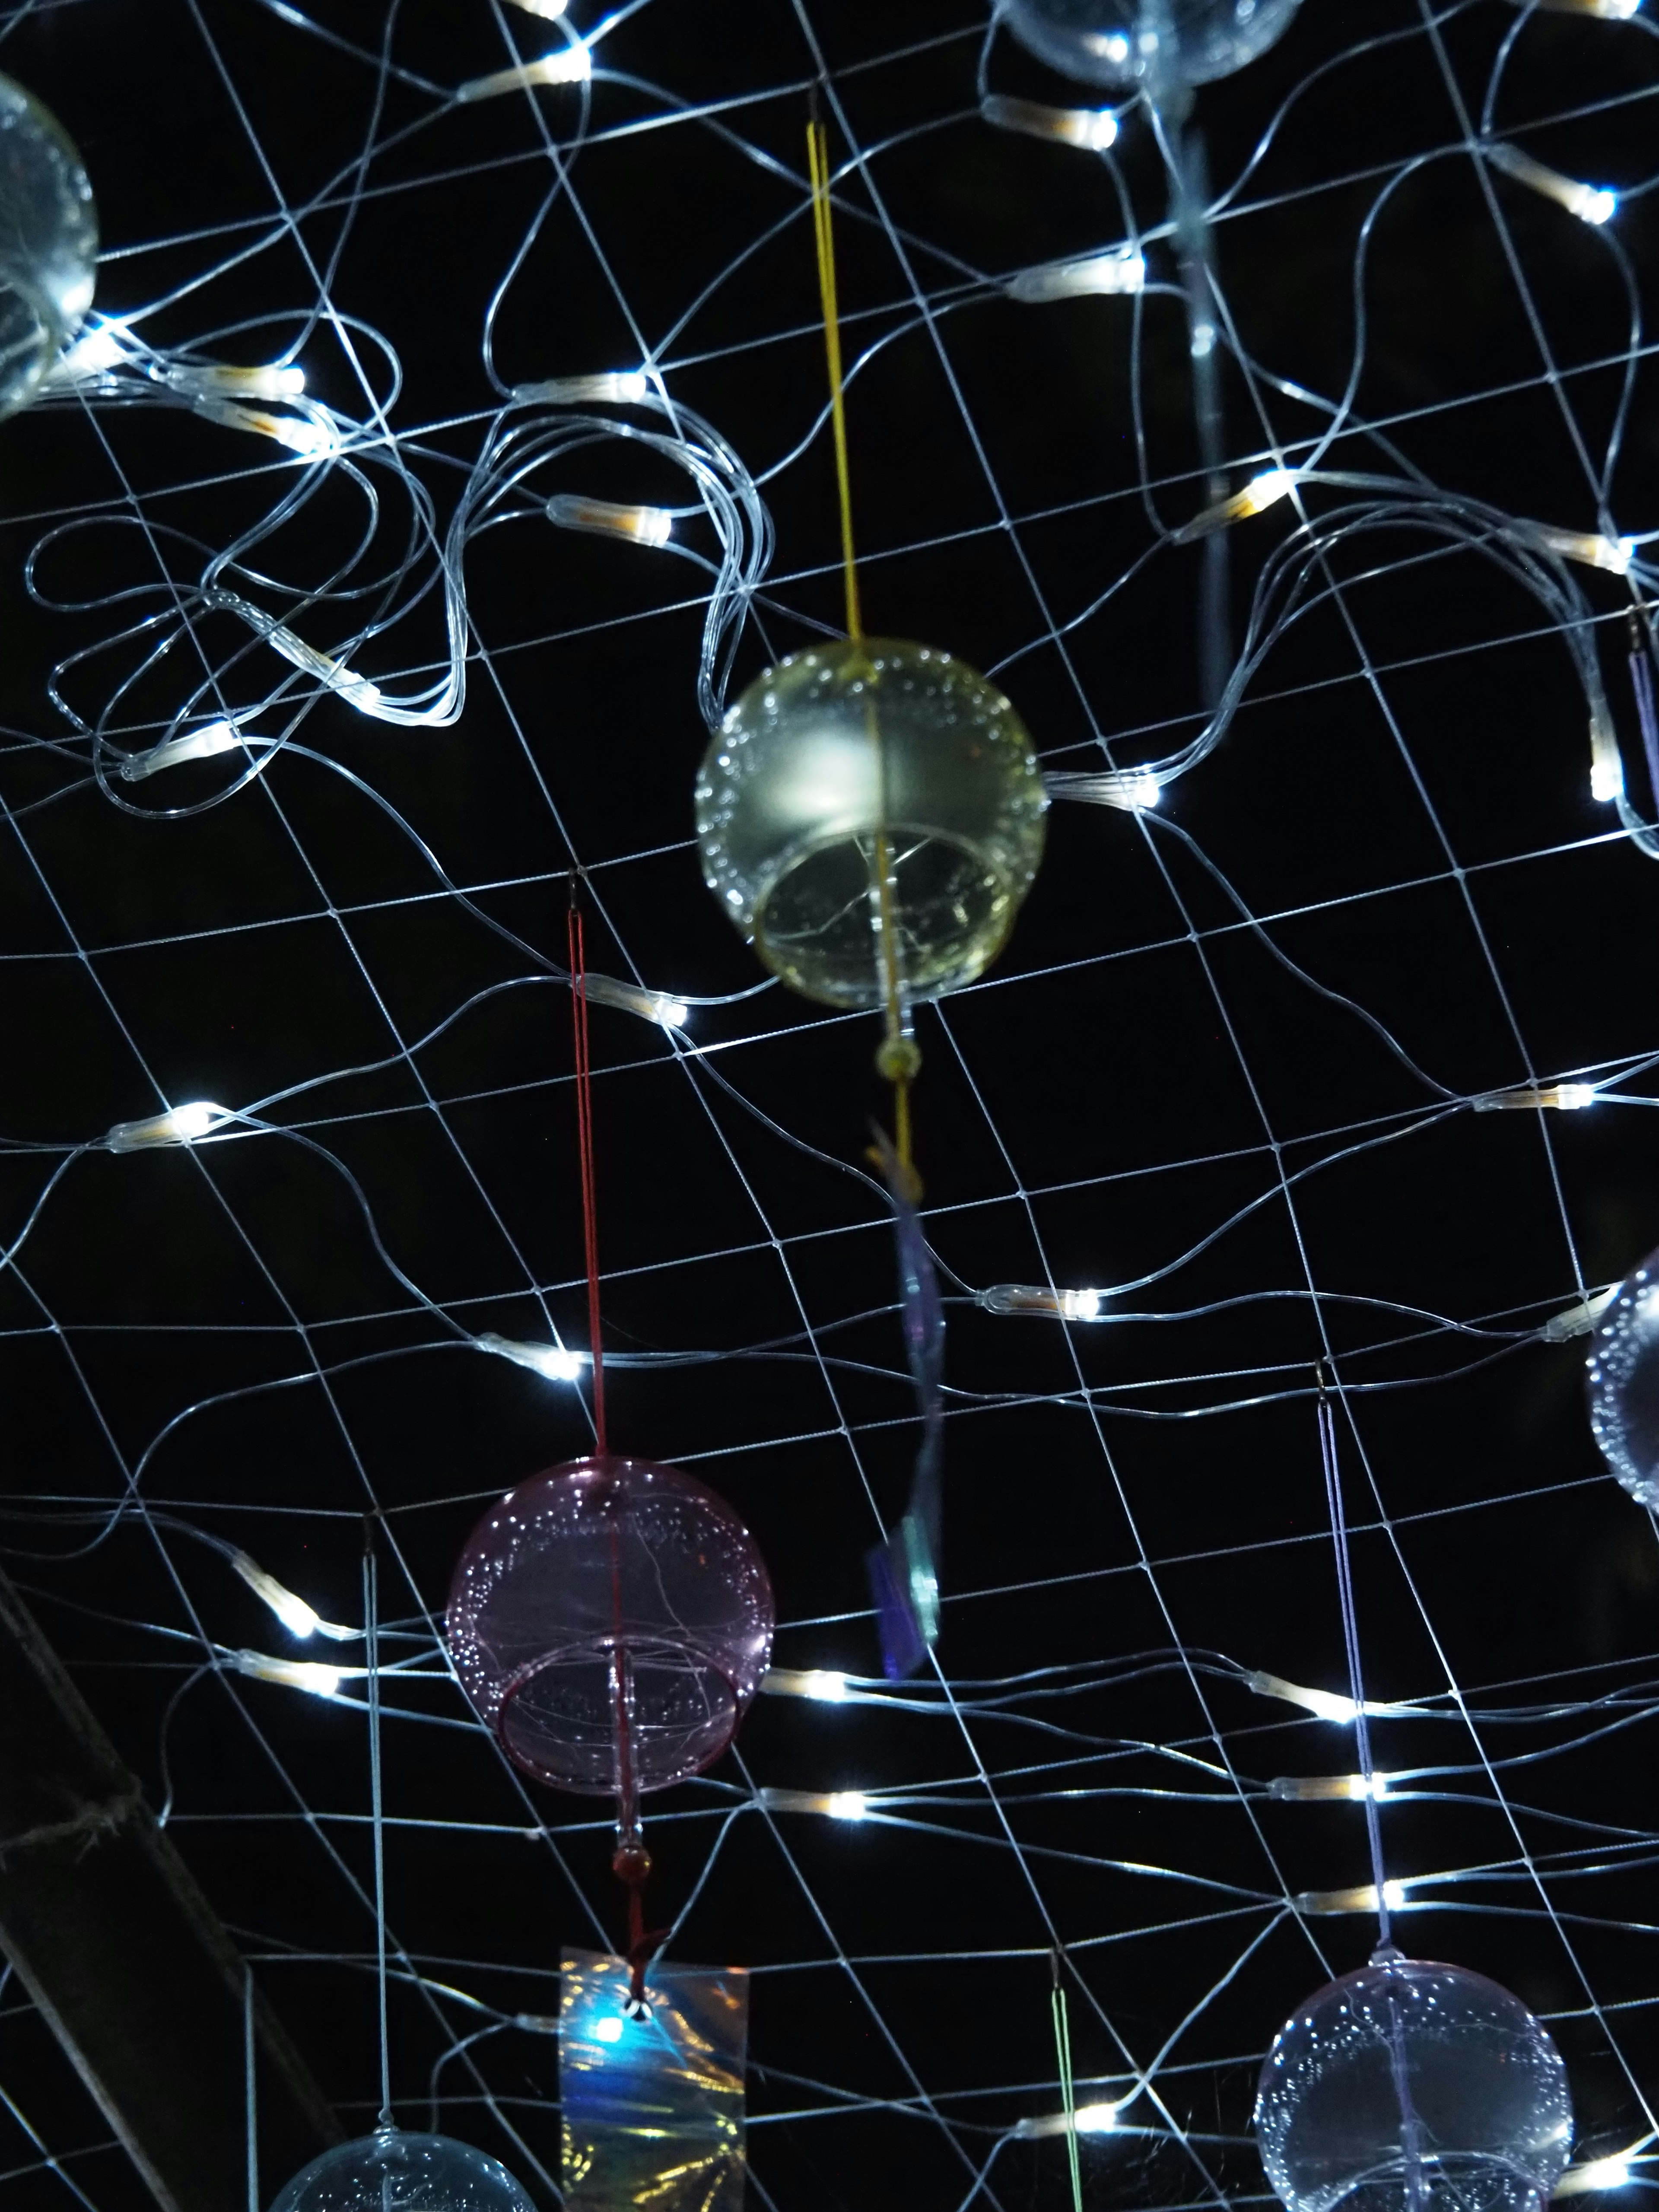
(1129, 42)
(1410, 2086)
(844, 757)
(608, 1587)
(48, 243)
(391, 2172)
(1623, 1384)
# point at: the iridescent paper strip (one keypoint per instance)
(652, 2107)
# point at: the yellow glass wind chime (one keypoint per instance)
(871, 816)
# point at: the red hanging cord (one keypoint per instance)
(632, 1861)
(585, 1142)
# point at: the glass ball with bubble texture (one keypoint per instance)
(1130, 42)
(612, 1585)
(48, 243)
(391, 2172)
(1623, 1375)
(837, 750)
(1411, 2087)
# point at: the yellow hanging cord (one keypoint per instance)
(817, 165)
(897, 1059)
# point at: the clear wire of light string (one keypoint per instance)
(1296, 578)
(1331, 1469)
(546, 426)
(1147, 54)
(1148, 47)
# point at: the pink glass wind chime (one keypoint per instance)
(611, 1619)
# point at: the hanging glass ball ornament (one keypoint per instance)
(48, 243)
(610, 1620)
(1623, 1384)
(391, 2172)
(871, 816)
(1410, 2086)
(1129, 42)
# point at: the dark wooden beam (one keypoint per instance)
(125, 1957)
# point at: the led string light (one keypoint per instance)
(114, 367)
(179, 1125)
(552, 1360)
(571, 64)
(1033, 1298)
(1599, 2173)
(1294, 576)
(299, 1618)
(663, 1007)
(823, 1686)
(1093, 2119)
(834, 1804)
(317, 1678)
(1592, 204)
(1093, 129)
(1590, 548)
(189, 1124)
(1117, 273)
(1384, 1900)
(1523, 1098)
(111, 365)
(1133, 790)
(1578, 1320)
(1323, 1705)
(215, 383)
(1607, 11)
(1330, 1788)
(1262, 491)
(206, 742)
(629, 387)
(604, 518)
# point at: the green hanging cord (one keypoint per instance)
(1068, 2101)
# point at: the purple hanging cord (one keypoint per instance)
(1641, 679)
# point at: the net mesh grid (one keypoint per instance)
(1224, 1074)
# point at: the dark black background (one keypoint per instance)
(1135, 1069)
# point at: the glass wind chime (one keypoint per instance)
(1408, 2086)
(1130, 43)
(871, 816)
(393, 2169)
(612, 1617)
(48, 243)
(610, 1620)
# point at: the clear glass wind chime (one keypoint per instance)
(1406, 2086)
